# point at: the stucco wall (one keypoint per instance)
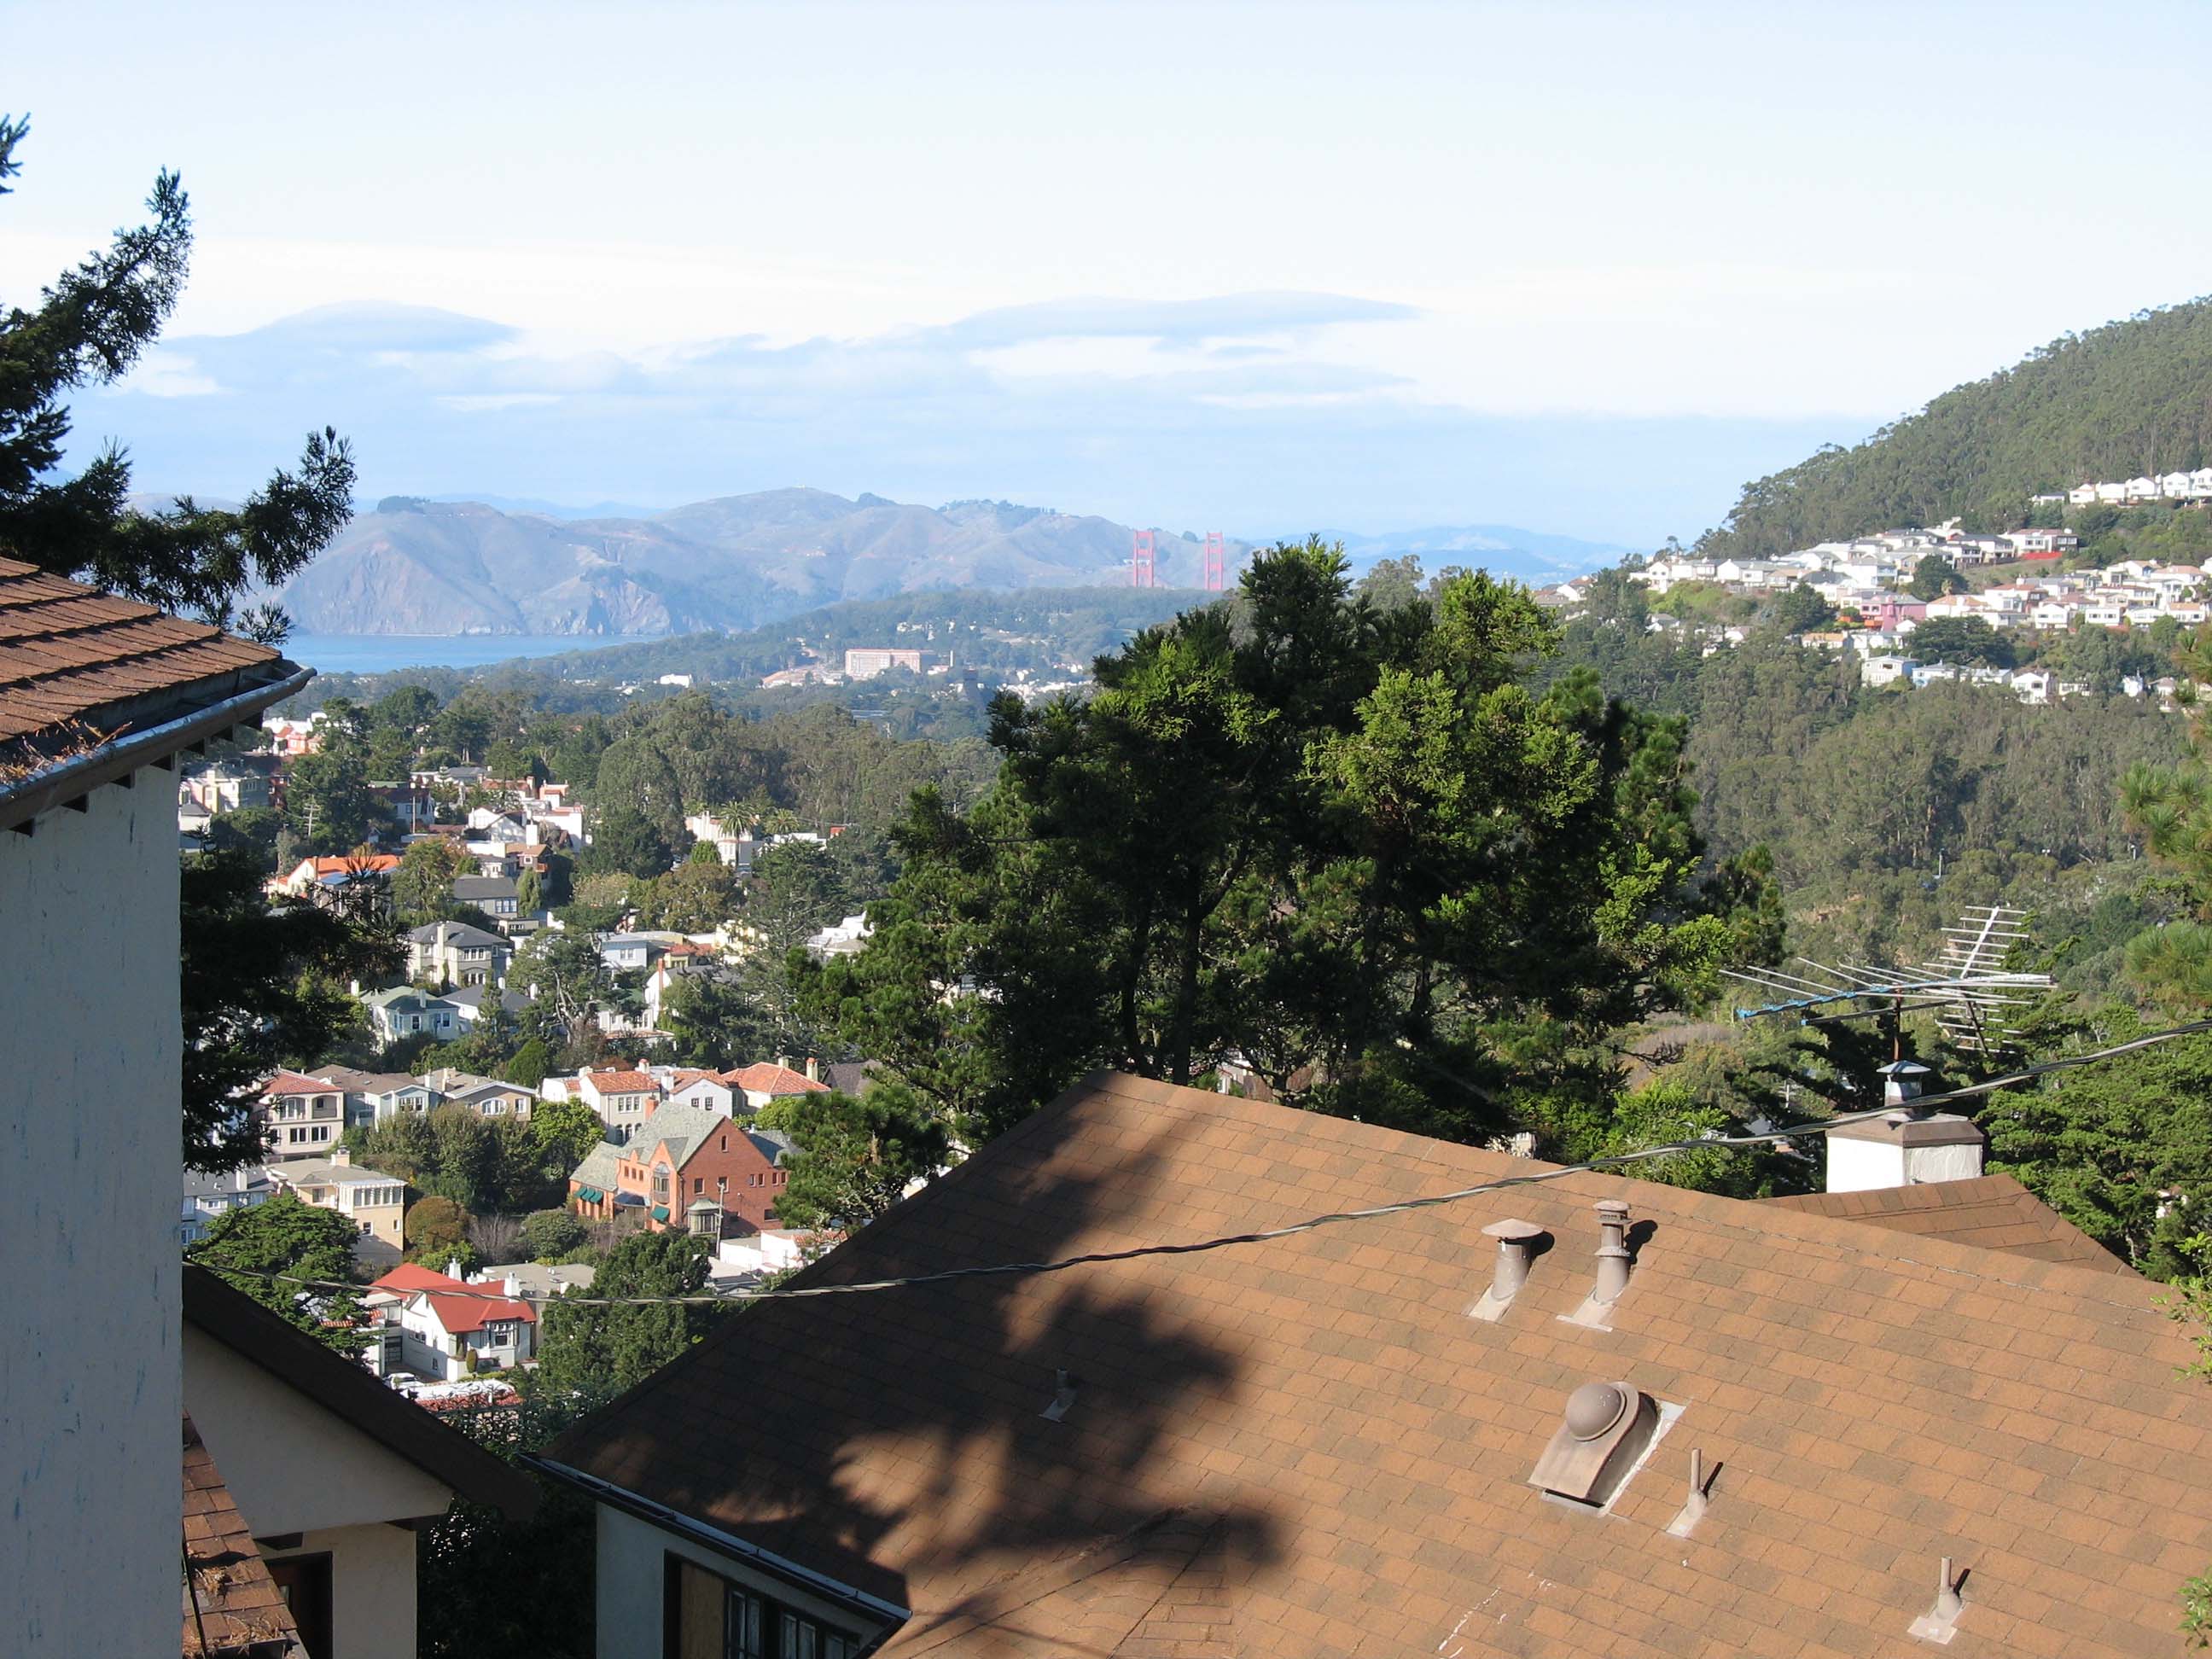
(89, 1180)
(372, 1587)
(632, 1571)
(292, 1465)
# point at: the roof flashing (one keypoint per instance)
(1607, 1434)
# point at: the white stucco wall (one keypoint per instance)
(1858, 1166)
(89, 1178)
(632, 1574)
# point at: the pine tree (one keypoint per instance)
(90, 326)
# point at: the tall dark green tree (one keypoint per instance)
(855, 1156)
(1351, 847)
(88, 327)
(284, 1236)
(592, 1354)
(263, 987)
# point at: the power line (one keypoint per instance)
(1097, 1258)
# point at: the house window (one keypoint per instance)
(698, 1185)
(705, 1616)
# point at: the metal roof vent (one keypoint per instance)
(1516, 1249)
(1613, 1260)
(1063, 1396)
(1608, 1429)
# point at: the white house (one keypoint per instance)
(1886, 671)
(447, 1330)
(90, 1023)
(2031, 685)
(378, 1097)
(332, 1471)
(404, 1012)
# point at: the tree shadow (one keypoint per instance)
(922, 1441)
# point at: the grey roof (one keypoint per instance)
(457, 933)
(202, 1183)
(598, 1167)
(682, 1126)
(535, 1278)
(364, 1083)
(401, 993)
(484, 887)
(851, 1077)
(321, 1172)
(774, 1146)
(472, 996)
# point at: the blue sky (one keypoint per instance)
(1260, 267)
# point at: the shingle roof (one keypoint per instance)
(231, 1605)
(1993, 1210)
(599, 1167)
(1870, 1401)
(71, 653)
(681, 1127)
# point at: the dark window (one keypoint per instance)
(304, 1581)
(705, 1616)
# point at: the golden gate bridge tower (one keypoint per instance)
(1144, 570)
(1217, 562)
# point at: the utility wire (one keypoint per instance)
(1011, 1269)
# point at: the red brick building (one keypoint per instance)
(690, 1169)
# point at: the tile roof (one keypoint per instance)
(1868, 1401)
(456, 1305)
(71, 653)
(767, 1078)
(1992, 1211)
(622, 1083)
(231, 1605)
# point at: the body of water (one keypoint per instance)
(379, 653)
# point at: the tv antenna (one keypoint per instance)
(1965, 984)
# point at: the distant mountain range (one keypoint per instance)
(417, 565)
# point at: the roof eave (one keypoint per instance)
(72, 778)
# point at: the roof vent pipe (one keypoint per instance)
(1940, 1622)
(1516, 1250)
(1612, 1257)
(1063, 1396)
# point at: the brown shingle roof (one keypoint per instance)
(1872, 1401)
(1994, 1211)
(231, 1605)
(70, 653)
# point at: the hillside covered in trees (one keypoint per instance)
(2130, 397)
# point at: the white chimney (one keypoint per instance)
(1908, 1145)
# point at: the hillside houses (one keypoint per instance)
(2193, 487)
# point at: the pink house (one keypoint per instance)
(1893, 610)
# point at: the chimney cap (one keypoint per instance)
(1902, 1068)
(1613, 1205)
(1513, 1231)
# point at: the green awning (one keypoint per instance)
(591, 1194)
(660, 1213)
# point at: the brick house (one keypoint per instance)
(685, 1156)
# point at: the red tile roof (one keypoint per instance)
(770, 1078)
(291, 1082)
(231, 1605)
(1993, 1210)
(622, 1083)
(71, 653)
(1867, 1402)
(457, 1306)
